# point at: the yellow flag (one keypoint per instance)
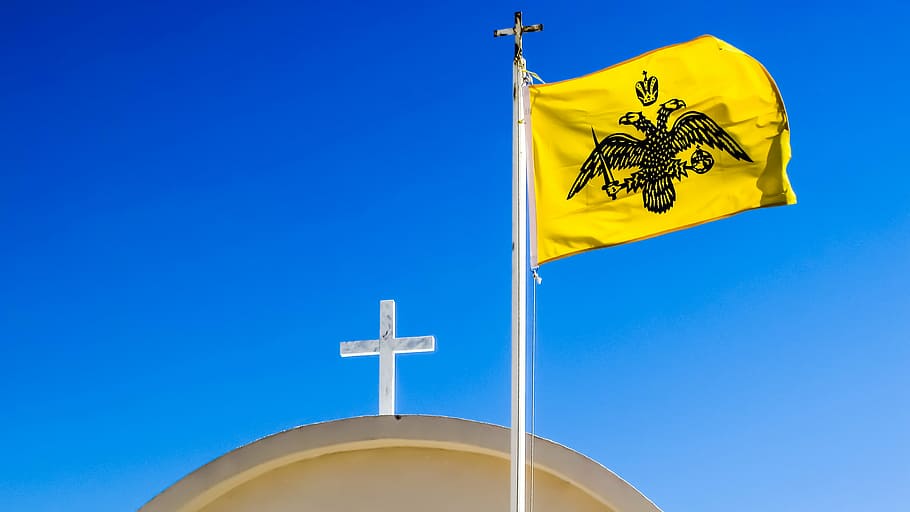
(673, 138)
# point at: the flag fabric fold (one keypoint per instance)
(673, 138)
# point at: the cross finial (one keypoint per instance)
(517, 30)
(387, 346)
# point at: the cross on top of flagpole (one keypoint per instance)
(387, 346)
(517, 31)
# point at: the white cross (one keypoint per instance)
(387, 346)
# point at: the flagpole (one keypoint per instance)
(519, 285)
(518, 448)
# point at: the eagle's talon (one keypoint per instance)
(612, 189)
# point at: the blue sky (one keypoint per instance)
(199, 201)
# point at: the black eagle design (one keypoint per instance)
(655, 156)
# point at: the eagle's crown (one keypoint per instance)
(646, 89)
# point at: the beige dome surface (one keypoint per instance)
(394, 463)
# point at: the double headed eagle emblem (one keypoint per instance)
(655, 157)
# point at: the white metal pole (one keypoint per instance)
(519, 287)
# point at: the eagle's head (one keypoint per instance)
(673, 104)
(631, 118)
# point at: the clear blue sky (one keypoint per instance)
(199, 201)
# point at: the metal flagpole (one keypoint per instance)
(519, 272)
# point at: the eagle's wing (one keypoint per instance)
(617, 151)
(697, 128)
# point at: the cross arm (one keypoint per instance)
(414, 344)
(359, 348)
(511, 31)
